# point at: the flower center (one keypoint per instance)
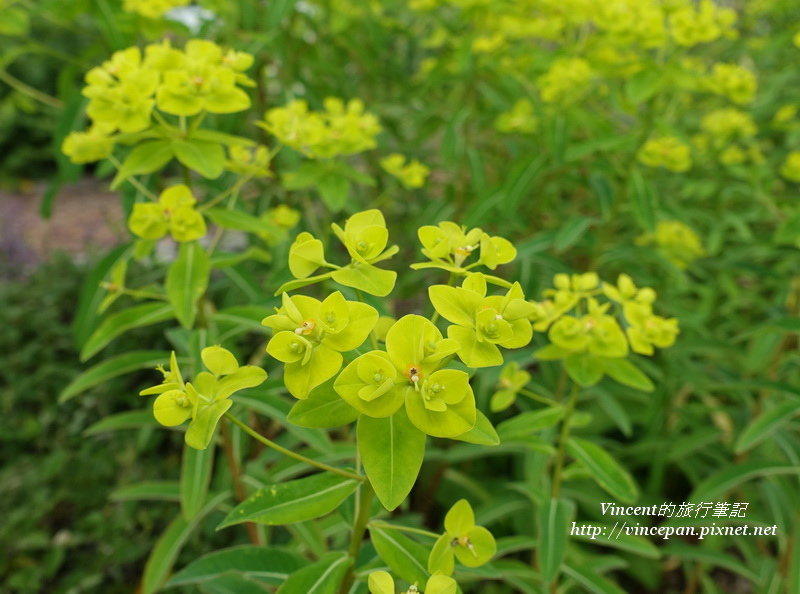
(306, 328)
(414, 374)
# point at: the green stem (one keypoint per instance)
(373, 339)
(359, 528)
(20, 86)
(271, 444)
(133, 181)
(409, 529)
(573, 398)
(535, 396)
(220, 197)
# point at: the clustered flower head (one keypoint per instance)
(339, 129)
(152, 9)
(411, 175)
(592, 327)
(734, 82)
(409, 374)
(124, 91)
(206, 399)
(676, 240)
(790, 169)
(519, 119)
(381, 582)
(692, 24)
(249, 161)
(567, 80)
(449, 246)
(668, 152)
(174, 213)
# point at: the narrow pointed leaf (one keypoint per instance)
(117, 324)
(606, 471)
(187, 280)
(294, 501)
(195, 476)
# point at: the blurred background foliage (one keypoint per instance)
(595, 136)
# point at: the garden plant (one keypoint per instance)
(442, 295)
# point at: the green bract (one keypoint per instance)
(472, 545)
(439, 402)
(207, 399)
(380, 582)
(481, 322)
(449, 245)
(310, 336)
(174, 212)
(512, 380)
(365, 236)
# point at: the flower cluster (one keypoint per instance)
(668, 152)
(174, 213)
(693, 24)
(381, 582)
(311, 335)
(411, 175)
(679, 243)
(790, 169)
(472, 545)
(590, 337)
(567, 80)
(340, 129)
(124, 91)
(734, 82)
(448, 246)
(205, 400)
(481, 323)
(152, 9)
(519, 119)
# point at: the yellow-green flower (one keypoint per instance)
(411, 175)
(174, 212)
(791, 167)
(668, 152)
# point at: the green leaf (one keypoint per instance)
(294, 501)
(272, 566)
(483, 433)
(162, 557)
(528, 422)
(15, 22)
(187, 280)
(392, 450)
(628, 374)
(606, 471)
(591, 581)
(406, 558)
(148, 491)
(236, 219)
(370, 279)
(120, 322)
(766, 425)
(196, 470)
(554, 518)
(222, 138)
(92, 294)
(202, 427)
(206, 158)
(301, 282)
(334, 190)
(132, 419)
(584, 369)
(642, 200)
(111, 368)
(146, 158)
(698, 554)
(644, 84)
(322, 409)
(305, 176)
(727, 479)
(631, 543)
(570, 232)
(322, 577)
(605, 194)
